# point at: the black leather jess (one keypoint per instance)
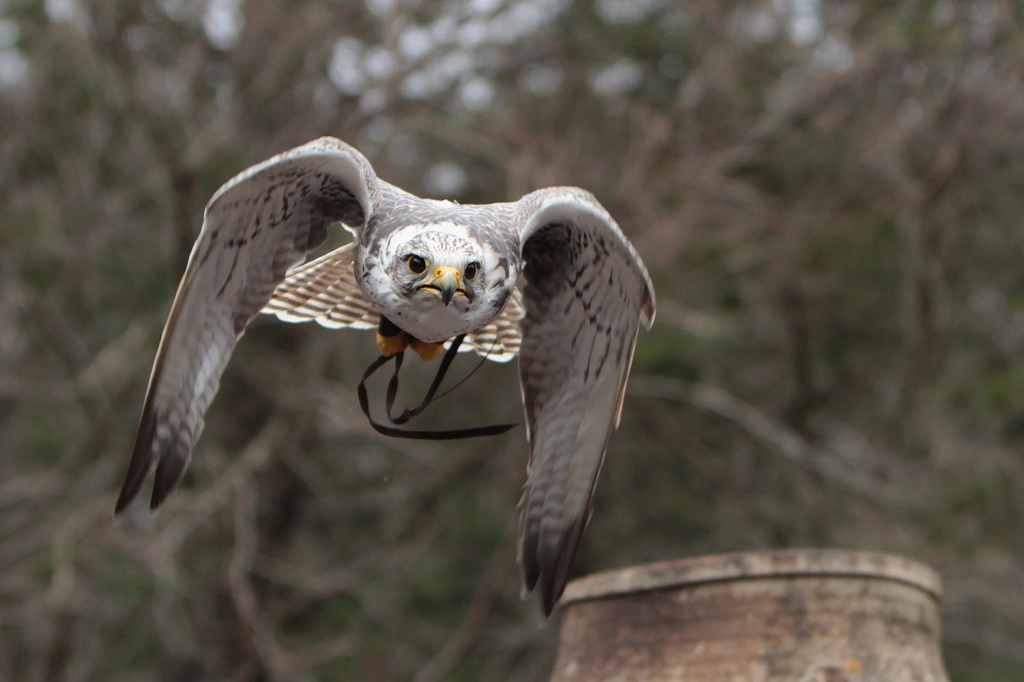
(449, 434)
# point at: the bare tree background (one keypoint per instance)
(829, 197)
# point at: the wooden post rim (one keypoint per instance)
(781, 563)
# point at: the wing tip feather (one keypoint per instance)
(140, 463)
(168, 474)
(547, 563)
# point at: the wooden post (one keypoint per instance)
(773, 616)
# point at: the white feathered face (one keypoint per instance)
(442, 266)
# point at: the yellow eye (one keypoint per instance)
(471, 270)
(417, 265)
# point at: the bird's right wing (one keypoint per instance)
(256, 227)
(324, 290)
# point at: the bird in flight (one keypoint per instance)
(421, 272)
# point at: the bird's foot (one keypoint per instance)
(426, 351)
(392, 345)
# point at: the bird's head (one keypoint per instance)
(439, 265)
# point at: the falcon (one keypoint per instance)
(421, 272)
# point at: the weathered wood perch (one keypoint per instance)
(773, 616)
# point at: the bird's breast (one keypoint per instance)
(426, 318)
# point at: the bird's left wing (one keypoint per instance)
(586, 293)
(498, 341)
(255, 228)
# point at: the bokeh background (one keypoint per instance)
(828, 194)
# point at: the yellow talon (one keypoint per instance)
(426, 351)
(391, 345)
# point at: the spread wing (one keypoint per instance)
(255, 228)
(499, 340)
(586, 293)
(325, 290)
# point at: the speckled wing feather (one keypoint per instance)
(586, 293)
(499, 340)
(324, 290)
(255, 228)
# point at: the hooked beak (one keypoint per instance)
(445, 283)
